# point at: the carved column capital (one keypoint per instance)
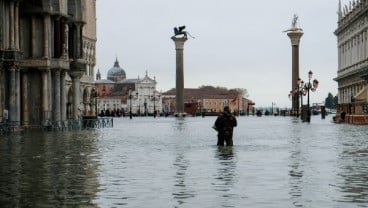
(13, 68)
(57, 73)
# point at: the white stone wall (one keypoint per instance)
(145, 98)
(352, 47)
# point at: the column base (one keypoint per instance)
(180, 115)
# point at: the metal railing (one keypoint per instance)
(101, 122)
(62, 125)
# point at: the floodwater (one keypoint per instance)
(166, 162)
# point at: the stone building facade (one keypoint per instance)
(47, 59)
(352, 74)
(136, 95)
(208, 100)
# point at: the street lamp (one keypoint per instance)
(312, 88)
(145, 107)
(272, 104)
(300, 93)
(303, 89)
(130, 103)
(154, 104)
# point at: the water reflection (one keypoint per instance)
(277, 162)
(353, 162)
(46, 170)
(226, 174)
(181, 191)
(180, 124)
(296, 172)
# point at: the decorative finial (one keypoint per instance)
(116, 64)
(339, 11)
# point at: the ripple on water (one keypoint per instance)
(165, 162)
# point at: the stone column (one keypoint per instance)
(49, 92)
(179, 47)
(76, 95)
(339, 57)
(13, 96)
(12, 25)
(18, 95)
(16, 25)
(57, 94)
(62, 96)
(76, 100)
(87, 108)
(65, 48)
(25, 101)
(45, 94)
(79, 41)
(1, 91)
(33, 37)
(295, 36)
(46, 29)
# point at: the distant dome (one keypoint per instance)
(116, 73)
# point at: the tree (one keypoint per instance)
(242, 91)
(329, 101)
(336, 102)
(209, 87)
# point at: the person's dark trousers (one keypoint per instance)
(222, 139)
(229, 141)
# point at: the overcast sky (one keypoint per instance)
(238, 43)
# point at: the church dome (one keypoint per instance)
(116, 73)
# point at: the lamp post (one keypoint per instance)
(145, 107)
(310, 88)
(154, 104)
(139, 106)
(301, 93)
(130, 103)
(303, 89)
(272, 108)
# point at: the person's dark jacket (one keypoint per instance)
(225, 124)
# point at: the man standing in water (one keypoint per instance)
(224, 125)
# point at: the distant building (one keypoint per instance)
(352, 74)
(47, 59)
(137, 95)
(208, 100)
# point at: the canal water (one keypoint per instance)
(166, 162)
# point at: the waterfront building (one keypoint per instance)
(352, 74)
(47, 59)
(136, 95)
(208, 100)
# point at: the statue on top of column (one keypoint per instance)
(180, 31)
(294, 24)
(295, 21)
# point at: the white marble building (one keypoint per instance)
(145, 98)
(352, 43)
